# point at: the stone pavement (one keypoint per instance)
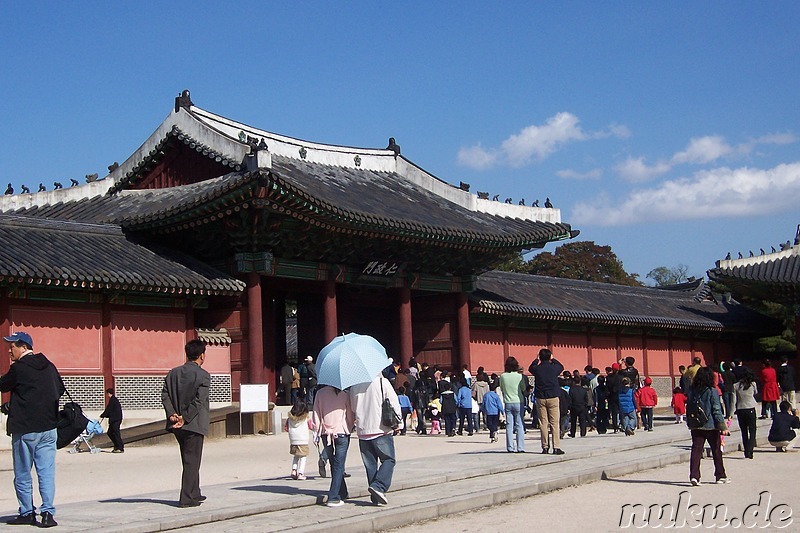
(422, 488)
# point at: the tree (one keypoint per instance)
(669, 276)
(583, 260)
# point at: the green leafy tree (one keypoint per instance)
(583, 260)
(669, 276)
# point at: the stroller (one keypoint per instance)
(92, 428)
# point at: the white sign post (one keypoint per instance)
(253, 398)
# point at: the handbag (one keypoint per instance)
(71, 421)
(389, 417)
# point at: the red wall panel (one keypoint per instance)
(570, 350)
(486, 350)
(147, 342)
(604, 352)
(69, 338)
(657, 358)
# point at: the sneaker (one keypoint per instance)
(301, 477)
(695, 482)
(117, 450)
(334, 503)
(558, 451)
(24, 520)
(378, 496)
(48, 520)
(723, 481)
(322, 472)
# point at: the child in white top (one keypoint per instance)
(298, 426)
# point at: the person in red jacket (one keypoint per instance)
(770, 392)
(647, 399)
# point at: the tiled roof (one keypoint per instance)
(214, 337)
(784, 270)
(57, 253)
(555, 299)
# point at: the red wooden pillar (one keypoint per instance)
(646, 357)
(506, 341)
(5, 331)
(329, 310)
(255, 333)
(589, 346)
(271, 307)
(406, 334)
(463, 330)
(106, 336)
(671, 360)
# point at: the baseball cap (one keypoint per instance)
(20, 336)
(648, 381)
(615, 366)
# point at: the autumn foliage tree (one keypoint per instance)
(583, 260)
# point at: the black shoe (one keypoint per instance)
(47, 520)
(346, 474)
(558, 451)
(545, 451)
(202, 498)
(193, 503)
(24, 520)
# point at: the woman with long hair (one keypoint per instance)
(513, 388)
(704, 393)
(770, 392)
(746, 390)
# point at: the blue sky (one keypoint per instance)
(670, 132)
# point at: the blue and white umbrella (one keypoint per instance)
(351, 359)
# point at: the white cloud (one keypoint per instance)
(568, 173)
(773, 138)
(701, 150)
(720, 192)
(535, 142)
(476, 157)
(636, 170)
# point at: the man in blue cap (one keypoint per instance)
(35, 386)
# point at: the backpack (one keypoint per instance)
(696, 417)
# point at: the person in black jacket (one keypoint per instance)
(35, 386)
(614, 385)
(786, 381)
(114, 414)
(782, 432)
(579, 403)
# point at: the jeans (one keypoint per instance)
(39, 450)
(465, 413)
(747, 424)
(728, 403)
(373, 450)
(514, 422)
(337, 454)
(628, 420)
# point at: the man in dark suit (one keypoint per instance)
(185, 400)
(114, 414)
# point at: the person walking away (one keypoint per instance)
(770, 392)
(702, 393)
(375, 439)
(186, 404)
(479, 389)
(728, 394)
(333, 419)
(311, 381)
(492, 407)
(647, 400)
(614, 384)
(678, 404)
(35, 386)
(447, 397)
(745, 390)
(600, 394)
(464, 403)
(287, 376)
(419, 400)
(114, 414)
(578, 405)
(627, 407)
(513, 387)
(405, 408)
(298, 426)
(546, 391)
(630, 372)
(786, 381)
(782, 432)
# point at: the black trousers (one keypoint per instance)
(747, 424)
(577, 417)
(613, 407)
(191, 445)
(115, 436)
